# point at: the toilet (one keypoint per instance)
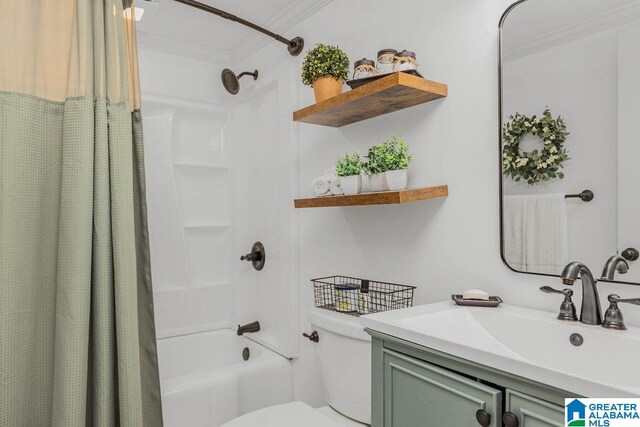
(344, 357)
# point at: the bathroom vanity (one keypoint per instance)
(444, 365)
(415, 385)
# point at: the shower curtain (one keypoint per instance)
(77, 337)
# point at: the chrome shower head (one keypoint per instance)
(231, 82)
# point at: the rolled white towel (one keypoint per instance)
(330, 174)
(336, 187)
(320, 186)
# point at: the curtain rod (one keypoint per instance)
(294, 46)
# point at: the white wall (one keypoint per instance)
(443, 246)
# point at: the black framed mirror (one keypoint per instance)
(569, 146)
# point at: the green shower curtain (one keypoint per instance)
(77, 335)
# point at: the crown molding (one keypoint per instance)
(291, 16)
(602, 22)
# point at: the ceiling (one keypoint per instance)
(168, 18)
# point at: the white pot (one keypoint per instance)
(397, 180)
(377, 182)
(351, 185)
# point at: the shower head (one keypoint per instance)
(231, 82)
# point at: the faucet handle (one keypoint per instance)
(613, 298)
(567, 308)
(613, 318)
(549, 290)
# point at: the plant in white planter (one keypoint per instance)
(348, 168)
(393, 159)
(375, 170)
(397, 161)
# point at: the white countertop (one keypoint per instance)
(525, 342)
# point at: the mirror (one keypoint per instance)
(570, 135)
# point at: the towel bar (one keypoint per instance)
(585, 196)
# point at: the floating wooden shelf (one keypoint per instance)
(388, 94)
(383, 198)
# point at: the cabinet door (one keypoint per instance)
(417, 394)
(532, 412)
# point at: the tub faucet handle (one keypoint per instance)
(256, 257)
(253, 256)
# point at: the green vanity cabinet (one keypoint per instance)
(532, 412)
(420, 394)
(415, 386)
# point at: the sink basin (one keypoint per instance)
(525, 342)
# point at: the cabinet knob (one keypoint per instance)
(483, 418)
(510, 420)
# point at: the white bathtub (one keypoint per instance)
(205, 381)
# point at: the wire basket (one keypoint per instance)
(356, 297)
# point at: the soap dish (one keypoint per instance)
(493, 301)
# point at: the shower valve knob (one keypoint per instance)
(256, 257)
(253, 256)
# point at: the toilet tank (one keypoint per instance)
(344, 356)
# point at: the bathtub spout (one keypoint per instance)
(249, 327)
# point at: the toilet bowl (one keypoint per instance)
(343, 352)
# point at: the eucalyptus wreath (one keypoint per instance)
(536, 165)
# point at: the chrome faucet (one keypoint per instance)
(613, 264)
(590, 312)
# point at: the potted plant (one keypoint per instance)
(374, 169)
(396, 160)
(325, 68)
(387, 164)
(348, 168)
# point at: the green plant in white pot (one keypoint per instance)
(349, 168)
(394, 158)
(374, 169)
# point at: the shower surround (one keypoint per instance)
(213, 189)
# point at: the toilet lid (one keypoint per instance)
(293, 414)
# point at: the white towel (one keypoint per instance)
(336, 187)
(320, 186)
(535, 232)
(330, 174)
